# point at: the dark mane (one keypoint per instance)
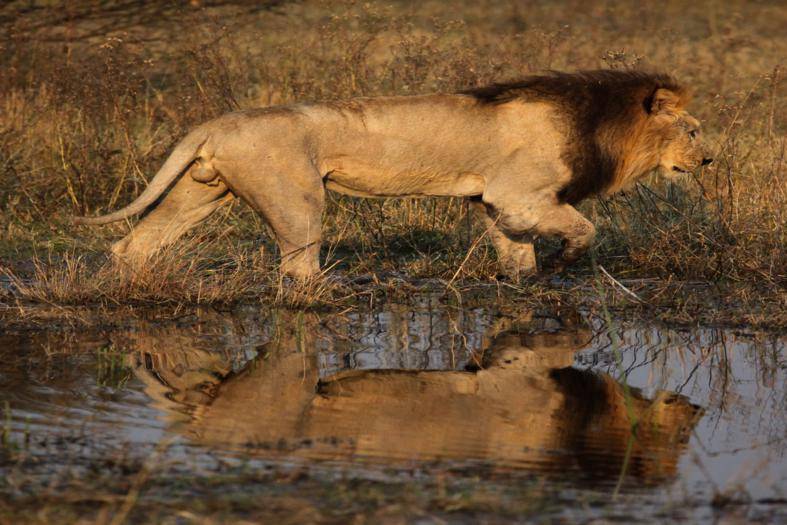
(599, 107)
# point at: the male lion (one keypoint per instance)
(525, 406)
(525, 153)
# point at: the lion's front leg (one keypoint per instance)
(576, 231)
(516, 256)
(561, 220)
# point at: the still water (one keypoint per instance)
(645, 422)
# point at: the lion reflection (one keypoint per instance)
(524, 406)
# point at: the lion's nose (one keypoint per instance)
(706, 161)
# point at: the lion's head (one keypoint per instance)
(676, 134)
(621, 125)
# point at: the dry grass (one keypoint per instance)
(178, 275)
(93, 102)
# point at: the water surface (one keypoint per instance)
(626, 420)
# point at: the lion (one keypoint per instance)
(524, 153)
(525, 405)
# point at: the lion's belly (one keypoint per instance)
(465, 185)
(357, 179)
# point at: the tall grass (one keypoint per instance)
(88, 115)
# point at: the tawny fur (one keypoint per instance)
(525, 401)
(525, 152)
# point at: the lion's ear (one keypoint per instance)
(664, 101)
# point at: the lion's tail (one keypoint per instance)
(184, 154)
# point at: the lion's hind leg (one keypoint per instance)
(297, 225)
(186, 204)
(292, 205)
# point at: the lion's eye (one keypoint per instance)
(693, 134)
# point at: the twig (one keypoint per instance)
(470, 252)
(621, 286)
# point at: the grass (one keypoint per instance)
(94, 100)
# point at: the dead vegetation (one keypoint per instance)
(93, 101)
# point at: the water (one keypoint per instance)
(629, 421)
